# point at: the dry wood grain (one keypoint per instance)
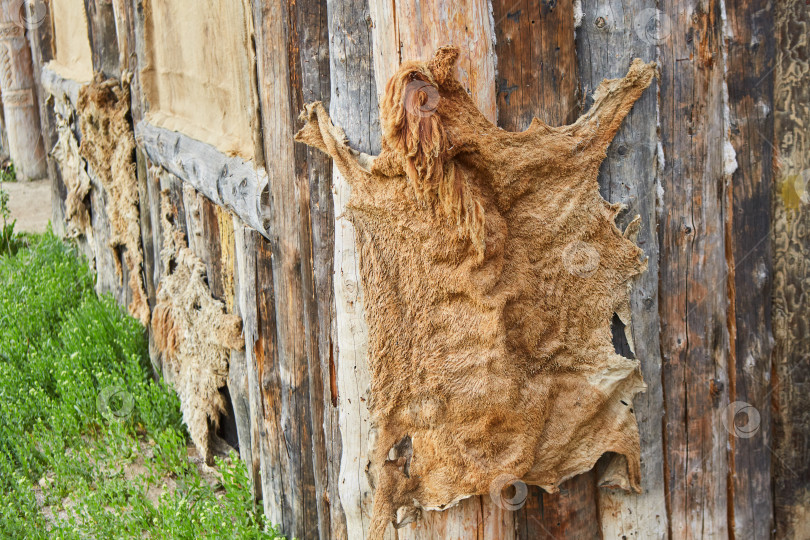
(101, 30)
(607, 41)
(279, 97)
(750, 79)
(791, 272)
(692, 294)
(40, 40)
(411, 30)
(353, 105)
(245, 246)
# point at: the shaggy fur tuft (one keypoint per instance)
(108, 145)
(414, 135)
(194, 334)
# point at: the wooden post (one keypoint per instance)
(791, 271)
(290, 66)
(101, 30)
(749, 76)
(607, 41)
(693, 295)
(353, 104)
(20, 109)
(410, 30)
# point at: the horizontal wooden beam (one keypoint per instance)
(56, 85)
(232, 182)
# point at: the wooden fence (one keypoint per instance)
(715, 158)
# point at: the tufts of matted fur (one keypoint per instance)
(72, 168)
(108, 145)
(193, 333)
(489, 363)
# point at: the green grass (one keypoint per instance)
(79, 412)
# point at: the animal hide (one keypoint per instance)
(108, 145)
(193, 332)
(491, 269)
(72, 168)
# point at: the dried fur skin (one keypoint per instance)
(501, 362)
(193, 333)
(72, 167)
(108, 145)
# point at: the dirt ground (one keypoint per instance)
(30, 204)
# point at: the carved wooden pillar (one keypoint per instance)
(19, 102)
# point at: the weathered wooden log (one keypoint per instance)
(18, 88)
(607, 41)
(245, 243)
(537, 77)
(750, 67)
(791, 270)
(231, 182)
(101, 30)
(293, 475)
(353, 105)
(693, 300)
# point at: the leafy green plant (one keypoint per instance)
(7, 172)
(9, 241)
(90, 444)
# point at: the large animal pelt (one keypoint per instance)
(492, 269)
(194, 334)
(108, 145)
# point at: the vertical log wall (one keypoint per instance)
(714, 158)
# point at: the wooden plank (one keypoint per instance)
(101, 31)
(107, 260)
(244, 373)
(229, 181)
(273, 450)
(692, 297)
(353, 105)
(20, 108)
(275, 28)
(750, 47)
(419, 28)
(607, 42)
(791, 266)
(308, 53)
(537, 62)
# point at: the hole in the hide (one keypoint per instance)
(401, 453)
(620, 343)
(623, 402)
(227, 421)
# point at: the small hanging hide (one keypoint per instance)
(193, 332)
(491, 268)
(108, 145)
